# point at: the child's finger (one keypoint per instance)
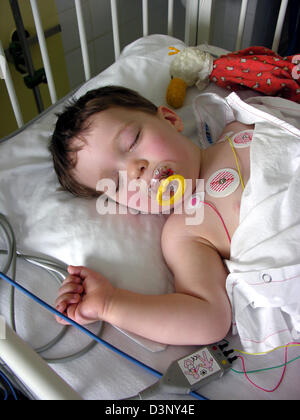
(61, 320)
(80, 271)
(72, 279)
(61, 308)
(64, 304)
(71, 311)
(75, 270)
(67, 299)
(68, 288)
(74, 312)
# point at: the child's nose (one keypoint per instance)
(136, 168)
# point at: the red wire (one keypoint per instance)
(220, 217)
(257, 386)
(242, 359)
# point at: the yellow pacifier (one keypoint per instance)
(165, 184)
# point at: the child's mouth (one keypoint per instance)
(159, 174)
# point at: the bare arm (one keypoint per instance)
(198, 312)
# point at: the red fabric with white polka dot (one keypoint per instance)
(261, 69)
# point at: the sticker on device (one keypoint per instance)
(198, 365)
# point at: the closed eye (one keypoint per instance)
(135, 141)
(118, 184)
(130, 150)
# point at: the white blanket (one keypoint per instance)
(264, 280)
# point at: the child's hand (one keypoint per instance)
(84, 296)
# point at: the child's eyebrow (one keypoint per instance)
(122, 129)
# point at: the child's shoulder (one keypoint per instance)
(180, 229)
(185, 246)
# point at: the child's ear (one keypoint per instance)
(171, 116)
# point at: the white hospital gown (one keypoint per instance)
(264, 281)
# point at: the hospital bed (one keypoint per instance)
(59, 229)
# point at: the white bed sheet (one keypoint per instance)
(125, 248)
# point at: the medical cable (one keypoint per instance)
(242, 183)
(10, 386)
(192, 371)
(20, 391)
(242, 372)
(86, 331)
(236, 161)
(286, 362)
(220, 217)
(43, 262)
(292, 344)
(57, 270)
(259, 387)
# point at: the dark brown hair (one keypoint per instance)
(73, 122)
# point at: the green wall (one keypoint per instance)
(25, 96)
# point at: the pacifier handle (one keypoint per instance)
(163, 187)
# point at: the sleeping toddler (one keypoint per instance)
(112, 138)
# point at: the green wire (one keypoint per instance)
(265, 369)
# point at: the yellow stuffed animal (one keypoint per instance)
(191, 66)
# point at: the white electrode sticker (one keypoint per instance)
(243, 139)
(222, 183)
(198, 365)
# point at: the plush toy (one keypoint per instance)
(191, 66)
(256, 68)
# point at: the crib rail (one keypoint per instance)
(44, 51)
(279, 24)
(197, 30)
(5, 74)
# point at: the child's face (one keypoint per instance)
(135, 150)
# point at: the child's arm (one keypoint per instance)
(198, 312)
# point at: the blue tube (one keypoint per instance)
(86, 331)
(10, 387)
